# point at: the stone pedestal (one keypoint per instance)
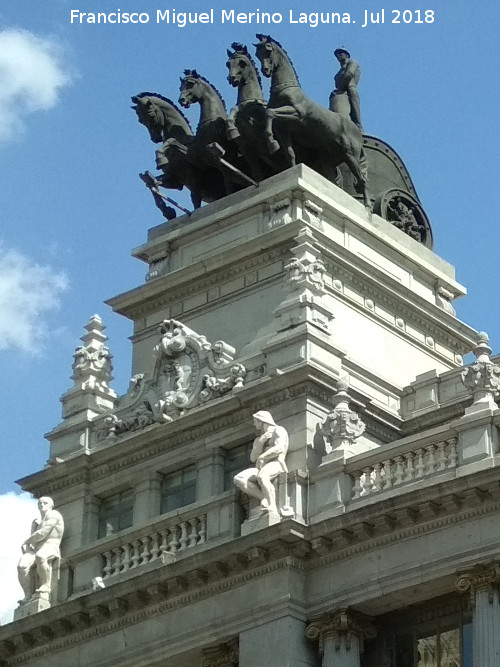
(38, 602)
(258, 521)
(482, 582)
(341, 635)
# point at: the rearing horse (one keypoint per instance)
(167, 124)
(247, 121)
(300, 124)
(211, 132)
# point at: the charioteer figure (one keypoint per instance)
(345, 98)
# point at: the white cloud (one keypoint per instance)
(32, 73)
(27, 292)
(17, 511)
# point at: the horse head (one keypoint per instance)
(268, 54)
(241, 65)
(191, 88)
(273, 57)
(159, 115)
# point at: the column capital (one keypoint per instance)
(341, 625)
(480, 577)
(223, 655)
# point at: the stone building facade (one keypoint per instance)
(287, 298)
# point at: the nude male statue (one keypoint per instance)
(268, 454)
(40, 549)
(346, 85)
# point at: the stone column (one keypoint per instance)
(224, 655)
(341, 635)
(482, 583)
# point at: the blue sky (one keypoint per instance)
(72, 206)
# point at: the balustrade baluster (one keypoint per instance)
(173, 545)
(203, 529)
(367, 480)
(145, 549)
(164, 543)
(193, 535)
(356, 488)
(155, 547)
(117, 561)
(399, 470)
(377, 477)
(410, 470)
(108, 565)
(431, 459)
(136, 556)
(441, 456)
(126, 557)
(420, 466)
(388, 474)
(184, 538)
(452, 453)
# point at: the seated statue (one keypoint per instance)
(268, 456)
(40, 549)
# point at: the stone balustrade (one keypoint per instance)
(140, 550)
(384, 470)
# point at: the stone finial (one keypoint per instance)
(92, 361)
(480, 577)
(92, 373)
(343, 626)
(343, 426)
(482, 378)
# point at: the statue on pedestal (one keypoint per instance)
(40, 550)
(268, 456)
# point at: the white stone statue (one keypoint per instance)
(268, 456)
(39, 551)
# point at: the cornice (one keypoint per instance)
(185, 282)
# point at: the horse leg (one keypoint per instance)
(272, 145)
(285, 141)
(361, 181)
(195, 198)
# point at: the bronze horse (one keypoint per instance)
(247, 121)
(304, 130)
(211, 141)
(166, 123)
